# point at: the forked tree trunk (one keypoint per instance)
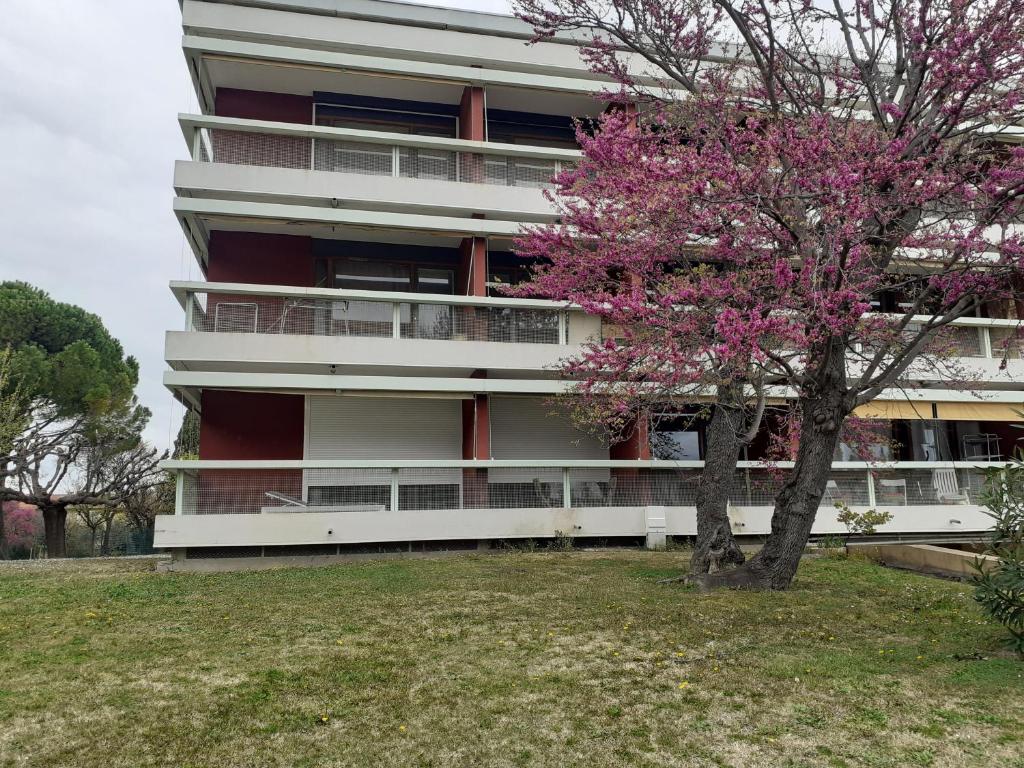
(716, 547)
(55, 519)
(796, 505)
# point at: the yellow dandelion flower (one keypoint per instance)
(90, 615)
(401, 728)
(684, 684)
(339, 642)
(615, 654)
(920, 657)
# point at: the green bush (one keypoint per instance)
(999, 589)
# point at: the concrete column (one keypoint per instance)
(476, 444)
(473, 266)
(472, 114)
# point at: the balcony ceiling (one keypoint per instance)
(327, 232)
(254, 76)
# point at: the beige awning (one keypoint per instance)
(906, 409)
(981, 411)
(894, 409)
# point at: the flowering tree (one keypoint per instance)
(786, 166)
(23, 528)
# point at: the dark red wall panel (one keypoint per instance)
(251, 425)
(261, 105)
(255, 257)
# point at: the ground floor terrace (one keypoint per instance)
(320, 474)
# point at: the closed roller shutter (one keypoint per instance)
(531, 428)
(383, 428)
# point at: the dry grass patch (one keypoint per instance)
(518, 659)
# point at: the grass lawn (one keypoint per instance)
(518, 659)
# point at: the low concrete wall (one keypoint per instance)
(926, 558)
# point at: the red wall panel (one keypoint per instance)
(254, 257)
(251, 425)
(261, 105)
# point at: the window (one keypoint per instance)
(676, 436)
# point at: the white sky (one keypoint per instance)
(89, 93)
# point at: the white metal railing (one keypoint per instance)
(265, 487)
(966, 337)
(254, 308)
(239, 141)
(242, 308)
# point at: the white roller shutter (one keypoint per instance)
(532, 428)
(384, 428)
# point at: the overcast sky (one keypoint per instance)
(89, 91)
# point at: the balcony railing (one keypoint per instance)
(371, 153)
(967, 337)
(267, 487)
(242, 308)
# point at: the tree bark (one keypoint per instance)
(716, 546)
(3, 535)
(105, 545)
(796, 505)
(55, 518)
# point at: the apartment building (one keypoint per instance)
(358, 172)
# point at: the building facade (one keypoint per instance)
(358, 172)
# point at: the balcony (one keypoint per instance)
(255, 503)
(252, 325)
(239, 164)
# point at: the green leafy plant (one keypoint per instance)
(999, 587)
(861, 523)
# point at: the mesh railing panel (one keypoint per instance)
(220, 145)
(754, 488)
(353, 157)
(220, 313)
(1006, 342)
(957, 341)
(499, 324)
(261, 149)
(270, 491)
(846, 487)
(927, 487)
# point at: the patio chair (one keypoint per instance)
(947, 490)
(289, 501)
(832, 494)
(894, 487)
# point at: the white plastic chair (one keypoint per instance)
(832, 492)
(947, 490)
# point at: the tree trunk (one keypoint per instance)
(54, 524)
(105, 546)
(796, 505)
(3, 535)
(716, 547)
